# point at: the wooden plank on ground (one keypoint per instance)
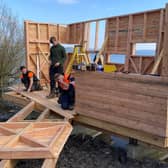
(47, 104)
(33, 140)
(23, 113)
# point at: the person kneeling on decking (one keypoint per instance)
(29, 80)
(67, 96)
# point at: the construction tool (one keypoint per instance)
(79, 58)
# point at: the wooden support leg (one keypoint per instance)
(49, 163)
(23, 113)
(8, 163)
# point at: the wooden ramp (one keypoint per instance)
(42, 138)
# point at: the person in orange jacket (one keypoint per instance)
(67, 94)
(29, 80)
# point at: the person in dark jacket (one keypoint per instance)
(29, 80)
(67, 96)
(57, 59)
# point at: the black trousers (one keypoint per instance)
(35, 87)
(67, 97)
(52, 71)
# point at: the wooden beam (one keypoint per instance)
(157, 62)
(8, 163)
(48, 104)
(147, 66)
(145, 26)
(117, 34)
(26, 29)
(140, 64)
(43, 115)
(96, 36)
(129, 44)
(122, 131)
(165, 54)
(49, 163)
(88, 36)
(23, 113)
(106, 18)
(160, 41)
(133, 64)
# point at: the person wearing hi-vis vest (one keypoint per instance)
(67, 96)
(29, 80)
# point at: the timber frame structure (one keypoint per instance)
(132, 105)
(122, 32)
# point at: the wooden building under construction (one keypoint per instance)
(129, 102)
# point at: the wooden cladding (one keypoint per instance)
(134, 28)
(132, 101)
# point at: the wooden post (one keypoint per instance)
(129, 44)
(145, 26)
(26, 26)
(96, 36)
(88, 36)
(117, 34)
(165, 55)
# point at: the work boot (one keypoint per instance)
(51, 95)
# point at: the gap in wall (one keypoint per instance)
(145, 49)
(117, 58)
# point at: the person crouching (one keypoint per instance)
(29, 80)
(67, 94)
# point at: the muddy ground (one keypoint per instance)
(84, 152)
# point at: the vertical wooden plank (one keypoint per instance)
(96, 36)
(38, 54)
(106, 35)
(58, 31)
(88, 36)
(145, 26)
(48, 31)
(107, 58)
(133, 49)
(68, 34)
(38, 32)
(26, 29)
(83, 32)
(129, 44)
(140, 64)
(165, 50)
(8, 163)
(117, 33)
(160, 40)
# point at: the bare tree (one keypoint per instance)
(11, 47)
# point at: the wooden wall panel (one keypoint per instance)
(145, 28)
(43, 32)
(132, 101)
(122, 31)
(141, 64)
(138, 25)
(37, 45)
(153, 26)
(32, 33)
(77, 32)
